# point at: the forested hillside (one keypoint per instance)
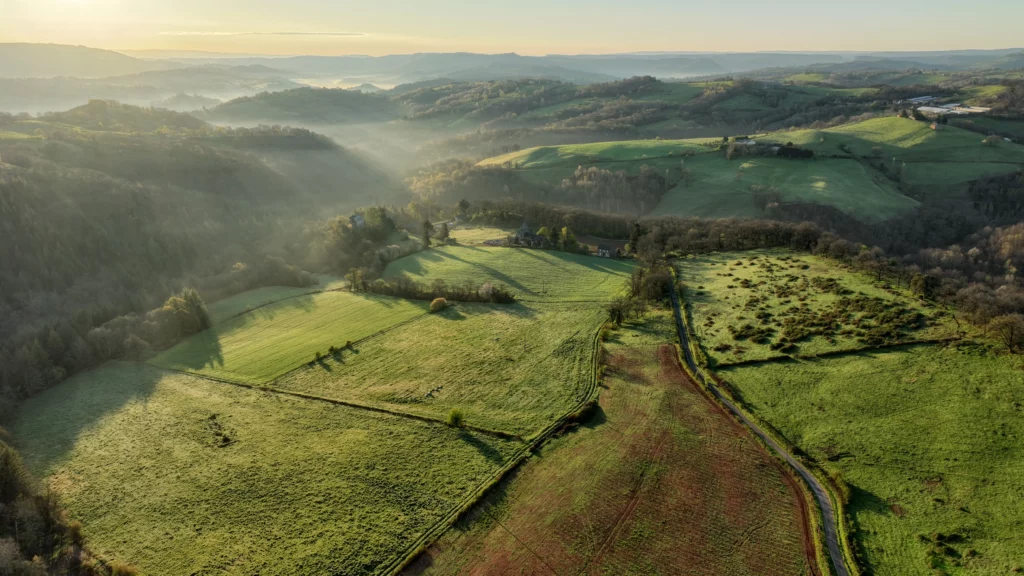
(108, 209)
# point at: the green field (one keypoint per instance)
(227, 308)
(179, 475)
(908, 140)
(720, 188)
(928, 438)
(858, 170)
(260, 345)
(534, 275)
(479, 234)
(621, 151)
(512, 368)
(747, 306)
(659, 482)
(1013, 128)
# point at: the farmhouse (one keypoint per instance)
(357, 221)
(525, 237)
(605, 251)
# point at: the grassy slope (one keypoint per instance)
(265, 343)
(479, 234)
(621, 151)
(227, 308)
(534, 275)
(513, 368)
(723, 306)
(659, 478)
(305, 487)
(929, 438)
(721, 188)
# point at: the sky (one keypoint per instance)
(529, 27)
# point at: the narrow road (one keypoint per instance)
(835, 550)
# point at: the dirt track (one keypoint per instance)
(821, 495)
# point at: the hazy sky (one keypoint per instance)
(524, 26)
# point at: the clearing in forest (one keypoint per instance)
(657, 481)
(262, 344)
(929, 439)
(533, 275)
(176, 474)
(513, 368)
(763, 304)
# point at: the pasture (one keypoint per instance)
(619, 151)
(763, 304)
(658, 481)
(179, 475)
(262, 344)
(929, 439)
(227, 308)
(720, 188)
(479, 234)
(533, 275)
(512, 368)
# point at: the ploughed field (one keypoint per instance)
(762, 304)
(657, 481)
(930, 440)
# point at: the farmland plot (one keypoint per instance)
(265, 343)
(513, 368)
(929, 439)
(659, 481)
(762, 304)
(179, 475)
(533, 275)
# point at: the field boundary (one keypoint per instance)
(435, 532)
(837, 353)
(271, 303)
(836, 540)
(345, 403)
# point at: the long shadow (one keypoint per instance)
(505, 278)
(488, 451)
(47, 427)
(202, 350)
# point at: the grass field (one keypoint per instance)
(1013, 128)
(658, 482)
(721, 188)
(929, 439)
(755, 305)
(265, 343)
(908, 140)
(227, 308)
(479, 234)
(534, 275)
(179, 475)
(512, 368)
(619, 151)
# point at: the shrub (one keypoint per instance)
(438, 304)
(455, 418)
(348, 344)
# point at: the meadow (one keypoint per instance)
(511, 368)
(533, 275)
(479, 234)
(179, 475)
(720, 188)
(929, 439)
(762, 304)
(227, 308)
(658, 481)
(262, 344)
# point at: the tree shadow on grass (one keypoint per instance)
(488, 451)
(48, 426)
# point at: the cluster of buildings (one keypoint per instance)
(925, 105)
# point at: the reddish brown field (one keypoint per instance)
(660, 482)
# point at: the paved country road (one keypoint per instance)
(821, 495)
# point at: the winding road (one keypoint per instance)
(821, 495)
